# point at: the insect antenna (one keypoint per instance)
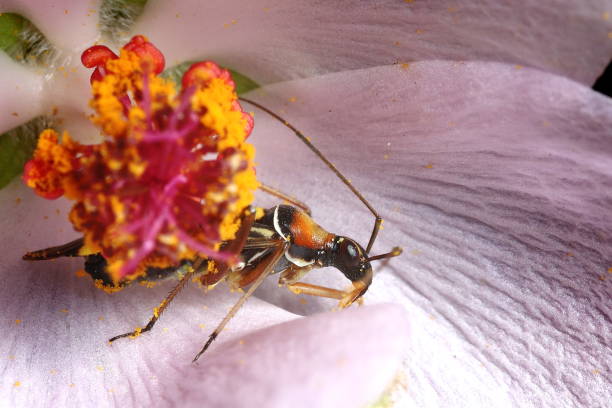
(394, 252)
(329, 164)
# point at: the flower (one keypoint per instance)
(489, 174)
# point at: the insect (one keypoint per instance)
(282, 240)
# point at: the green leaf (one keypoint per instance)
(118, 16)
(244, 84)
(16, 147)
(23, 42)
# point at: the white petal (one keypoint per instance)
(292, 39)
(69, 25)
(20, 88)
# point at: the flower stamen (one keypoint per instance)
(174, 172)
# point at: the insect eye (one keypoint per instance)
(351, 250)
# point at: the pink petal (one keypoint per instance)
(19, 87)
(291, 39)
(496, 182)
(55, 328)
(352, 363)
(68, 24)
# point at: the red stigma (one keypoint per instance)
(205, 70)
(146, 50)
(97, 55)
(36, 169)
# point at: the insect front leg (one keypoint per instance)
(346, 297)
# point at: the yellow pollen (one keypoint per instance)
(137, 332)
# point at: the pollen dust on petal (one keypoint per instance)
(16, 383)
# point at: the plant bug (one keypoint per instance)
(282, 240)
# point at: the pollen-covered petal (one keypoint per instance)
(69, 25)
(291, 39)
(20, 88)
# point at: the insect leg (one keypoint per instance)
(286, 197)
(164, 304)
(234, 246)
(346, 297)
(70, 249)
(332, 167)
(293, 274)
(263, 269)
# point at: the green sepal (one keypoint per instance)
(23, 42)
(118, 16)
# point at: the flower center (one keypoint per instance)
(174, 172)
